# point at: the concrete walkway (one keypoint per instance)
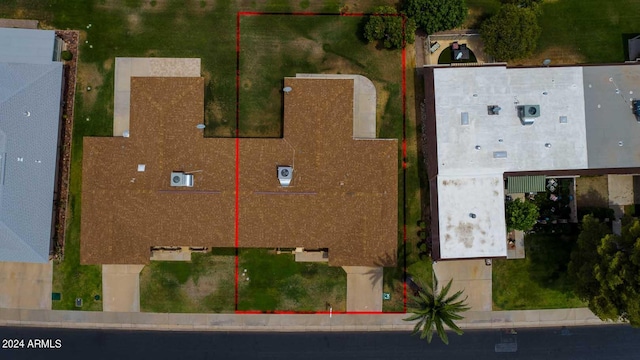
(25, 285)
(287, 323)
(620, 188)
(121, 288)
(471, 276)
(364, 288)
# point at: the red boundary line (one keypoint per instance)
(237, 194)
(237, 158)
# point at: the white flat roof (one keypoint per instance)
(557, 90)
(471, 216)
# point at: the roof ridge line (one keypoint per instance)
(29, 84)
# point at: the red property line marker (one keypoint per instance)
(404, 166)
(237, 192)
(237, 197)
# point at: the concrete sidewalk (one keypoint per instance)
(287, 323)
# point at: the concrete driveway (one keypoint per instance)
(472, 276)
(121, 288)
(25, 285)
(364, 288)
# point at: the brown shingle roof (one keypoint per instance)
(343, 195)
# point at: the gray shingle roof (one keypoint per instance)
(30, 97)
(26, 46)
(613, 132)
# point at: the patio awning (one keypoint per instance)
(526, 184)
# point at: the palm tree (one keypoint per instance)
(434, 310)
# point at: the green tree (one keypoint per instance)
(614, 289)
(435, 309)
(521, 215)
(386, 26)
(511, 33)
(436, 15)
(584, 257)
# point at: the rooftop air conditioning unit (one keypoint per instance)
(181, 179)
(285, 175)
(527, 113)
(493, 109)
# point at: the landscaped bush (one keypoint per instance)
(66, 55)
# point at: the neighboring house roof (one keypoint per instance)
(471, 90)
(27, 46)
(613, 132)
(343, 194)
(30, 96)
(582, 121)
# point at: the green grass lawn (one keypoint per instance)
(309, 44)
(540, 280)
(205, 284)
(270, 281)
(593, 29)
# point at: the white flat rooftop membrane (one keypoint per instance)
(558, 91)
(463, 235)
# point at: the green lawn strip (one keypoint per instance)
(593, 28)
(165, 285)
(274, 47)
(70, 278)
(276, 282)
(539, 281)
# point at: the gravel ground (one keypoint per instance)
(70, 38)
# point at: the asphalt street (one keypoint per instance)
(577, 343)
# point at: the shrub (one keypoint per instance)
(66, 55)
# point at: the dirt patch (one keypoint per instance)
(312, 48)
(89, 76)
(215, 112)
(559, 56)
(133, 21)
(150, 53)
(107, 65)
(592, 191)
(382, 99)
(334, 64)
(205, 286)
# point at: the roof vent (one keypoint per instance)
(181, 179)
(563, 119)
(527, 113)
(499, 154)
(285, 175)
